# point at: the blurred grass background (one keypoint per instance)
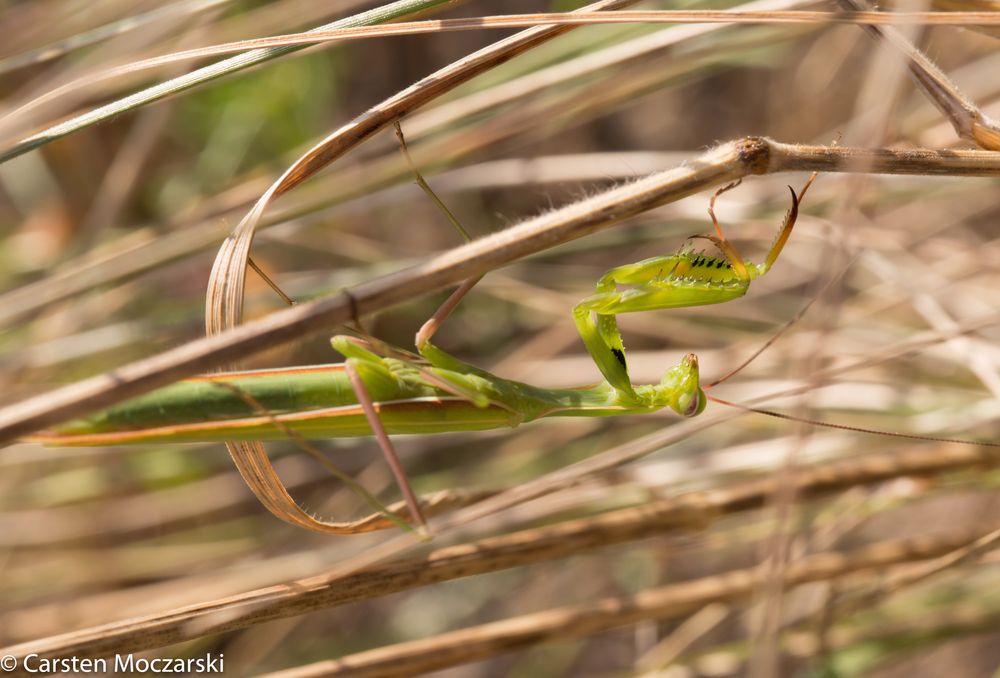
(130, 212)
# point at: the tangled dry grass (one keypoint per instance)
(730, 544)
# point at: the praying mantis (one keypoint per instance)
(446, 394)
(382, 390)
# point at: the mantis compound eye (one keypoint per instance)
(695, 406)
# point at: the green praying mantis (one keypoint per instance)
(444, 394)
(382, 390)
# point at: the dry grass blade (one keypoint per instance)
(966, 5)
(969, 122)
(161, 550)
(668, 516)
(53, 51)
(179, 510)
(488, 640)
(20, 302)
(582, 18)
(200, 76)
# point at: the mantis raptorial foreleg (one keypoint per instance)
(687, 278)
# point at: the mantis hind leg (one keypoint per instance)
(388, 450)
(270, 282)
(365, 370)
(429, 328)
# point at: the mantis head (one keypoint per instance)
(680, 388)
